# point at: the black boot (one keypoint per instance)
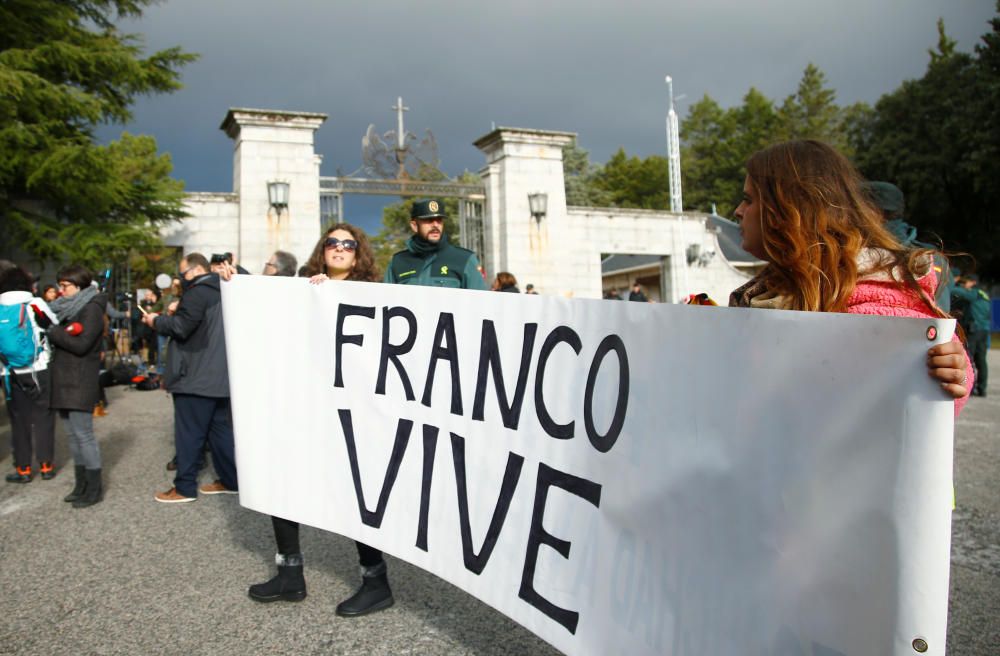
(94, 490)
(288, 585)
(81, 484)
(374, 593)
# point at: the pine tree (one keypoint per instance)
(65, 69)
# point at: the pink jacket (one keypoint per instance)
(879, 295)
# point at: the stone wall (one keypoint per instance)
(559, 252)
(268, 146)
(596, 231)
(213, 226)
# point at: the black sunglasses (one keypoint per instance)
(348, 245)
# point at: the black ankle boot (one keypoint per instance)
(81, 484)
(288, 585)
(94, 491)
(374, 593)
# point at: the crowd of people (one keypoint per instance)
(806, 212)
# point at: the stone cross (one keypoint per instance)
(400, 134)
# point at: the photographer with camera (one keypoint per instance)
(220, 261)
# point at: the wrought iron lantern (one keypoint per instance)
(277, 195)
(538, 204)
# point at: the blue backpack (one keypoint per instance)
(17, 339)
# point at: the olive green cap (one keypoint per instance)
(887, 197)
(430, 208)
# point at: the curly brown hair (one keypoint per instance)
(364, 267)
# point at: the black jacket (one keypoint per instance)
(76, 359)
(196, 359)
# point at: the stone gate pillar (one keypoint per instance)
(272, 145)
(520, 162)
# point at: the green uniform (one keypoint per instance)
(977, 308)
(976, 320)
(435, 265)
(907, 236)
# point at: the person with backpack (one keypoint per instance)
(76, 363)
(24, 367)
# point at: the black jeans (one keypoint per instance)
(368, 556)
(979, 346)
(30, 416)
(286, 535)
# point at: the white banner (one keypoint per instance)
(619, 478)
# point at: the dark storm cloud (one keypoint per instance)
(595, 68)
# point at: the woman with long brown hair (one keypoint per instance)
(335, 257)
(805, 213)
(342, 253)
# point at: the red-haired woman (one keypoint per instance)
(805, 213)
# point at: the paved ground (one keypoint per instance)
(974, 607)
(130, 576)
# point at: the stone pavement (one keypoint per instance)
(131, 576)
(974, 606)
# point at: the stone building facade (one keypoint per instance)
(560, 252)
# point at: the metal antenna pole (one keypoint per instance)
(673, 152)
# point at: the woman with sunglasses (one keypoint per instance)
(342, 253)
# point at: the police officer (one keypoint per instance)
(889, 198)
(976, 320)
(429, 259)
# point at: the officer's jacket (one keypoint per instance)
(978, 310)
(448, 266)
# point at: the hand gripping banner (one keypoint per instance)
(619, 478)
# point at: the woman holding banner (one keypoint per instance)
(805, 214)
(342, 253)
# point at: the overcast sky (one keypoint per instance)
(592, 67)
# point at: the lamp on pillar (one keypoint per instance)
(538, 203)
(277, 195)
(693, 253)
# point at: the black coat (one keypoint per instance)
(76, 359)
(196, 359)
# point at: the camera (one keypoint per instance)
(219, 258)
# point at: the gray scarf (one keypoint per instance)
(68, 307)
